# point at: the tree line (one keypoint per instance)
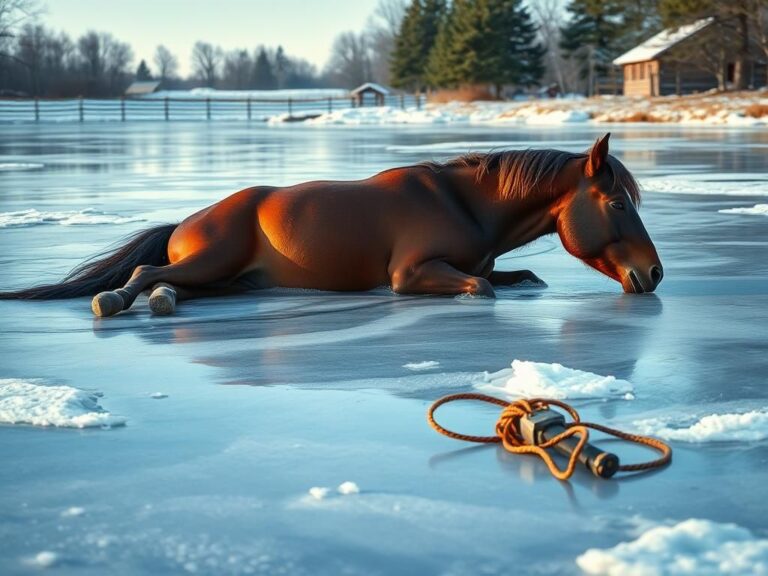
(495, 43)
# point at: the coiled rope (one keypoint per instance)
(508, 433)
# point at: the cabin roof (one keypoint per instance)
(370, 86)
(139, 88)
(663, 41)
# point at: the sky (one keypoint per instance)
(305, 28)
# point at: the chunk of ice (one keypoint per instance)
(689, 547)
(29, 402)
(44, 559)
(539, 379)
(756, 210)
(88, 216)
(73, 511)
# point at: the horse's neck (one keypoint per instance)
(514, 221)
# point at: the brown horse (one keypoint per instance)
(425, 229)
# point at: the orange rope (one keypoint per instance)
(508, 433)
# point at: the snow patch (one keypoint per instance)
(749, 426)
(158, 395)
(319, 492)
(347, 488)
(757, 210)
(27, 402)
(725, 185)
(690, 547)
(88, 216)
(418, 366)
(539, 379)
(44, 559)
(73, 511)
(13, 166)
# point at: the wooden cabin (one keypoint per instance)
(369, 91)
(662, 65)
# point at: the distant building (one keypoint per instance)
(140, 88)
(368, 90)
(662, 65)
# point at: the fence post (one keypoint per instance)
(208, 108)
(249, 107)
(167, 108)
(37, 109)
(330, 105)
(352, 101)
(122, 108)
(81, 109)
(418, 100)
(402, 101)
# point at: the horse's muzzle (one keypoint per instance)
(638, 283)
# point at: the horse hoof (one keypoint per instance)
(107, 304)
(162, 301)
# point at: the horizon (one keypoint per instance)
(143, 25)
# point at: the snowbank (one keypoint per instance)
(539, 379)
(27, 402)
(757, 210)
(749, 426)
(733, 184)
(88, 216)
(693, 546)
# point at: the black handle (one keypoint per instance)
(600, 463)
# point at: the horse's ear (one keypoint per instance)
(598, 157)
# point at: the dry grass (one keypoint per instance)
(756, 110)
(465, 94)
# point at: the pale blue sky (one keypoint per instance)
(305, 28)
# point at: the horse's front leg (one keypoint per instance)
(510, 278)
(438, 277)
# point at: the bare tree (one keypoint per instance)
(105, 61)
(13, 13)
(350, 62)
(205, 62)
(167, 64)
(381, 30)
(237, 70)
(549, 17)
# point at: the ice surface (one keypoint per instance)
(8, 166)
(720, 185)
(695, 546)
(757, 210)
(32, 217)
(543, 380)
(748, 426)
(29, 402)
(275, 392)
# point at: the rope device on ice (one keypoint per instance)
(531, 426)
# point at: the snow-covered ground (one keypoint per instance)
(285, 432)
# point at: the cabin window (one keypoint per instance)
(650, 70)
(633, 69)
(642, 71)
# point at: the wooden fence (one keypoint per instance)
(167, 109)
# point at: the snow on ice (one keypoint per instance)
(29, 402)
(693, 546)
(539, 379)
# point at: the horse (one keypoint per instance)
(431, 228)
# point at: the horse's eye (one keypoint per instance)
(617, 205)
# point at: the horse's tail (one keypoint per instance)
(105, 271)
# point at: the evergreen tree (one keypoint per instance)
(590, 37)
(515, 55)
(282, 67)
(142, 72)
(263, 76)
(418, 31)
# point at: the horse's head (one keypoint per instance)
(599, 224)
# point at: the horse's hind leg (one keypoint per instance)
(200, 269)
(164, 296)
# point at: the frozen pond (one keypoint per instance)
(265, 396)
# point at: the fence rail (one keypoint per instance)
(168, 109)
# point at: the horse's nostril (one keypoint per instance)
(656, 274)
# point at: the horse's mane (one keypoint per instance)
(523, 172)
